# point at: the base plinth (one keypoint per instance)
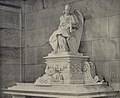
(62, 91)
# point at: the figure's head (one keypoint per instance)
(67, 9)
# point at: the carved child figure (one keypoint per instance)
(51, 76)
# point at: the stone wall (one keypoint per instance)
(9, 47)
(101, 38)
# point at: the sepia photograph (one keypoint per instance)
(59, 48)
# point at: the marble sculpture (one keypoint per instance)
(64, 64)
(67, 37)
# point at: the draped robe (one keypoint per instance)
(60, 39)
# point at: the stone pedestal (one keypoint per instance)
(64, 68)
(66, 76)
(69, 66)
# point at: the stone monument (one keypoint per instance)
(68, 74)
(64, 64)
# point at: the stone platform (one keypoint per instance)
(21, 90)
